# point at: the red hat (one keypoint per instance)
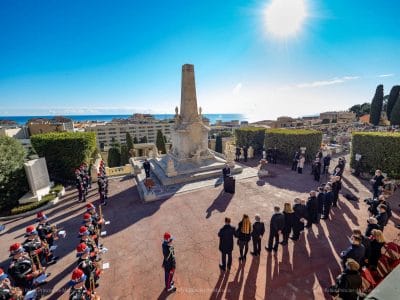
(87, 217)
(41, 216)
(90, 206)
(15, 249)
(83, 231)
(30, 230)
(78, 275)
(81, 249)
(168, 237)
(2, 274)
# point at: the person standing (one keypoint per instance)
(245, 153)
(289, 216)
(237, 153)
(300, 214)
(377, 242)
(317, 169)
(226, 234)
(300, 164)
(377, 183)
(349, 281)
(226, 171)
(275, 228)
(320, 200)
(356, 251)
(382, 216)
(243, 234)
(169, 263)
(328, 200)
(372, 224)
(146, 167)
(274, 155)
(257, 234)
(79, 186)
(336, 187)
(312, 209)
(327, 162)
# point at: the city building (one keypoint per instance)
(115, 131)
(44, 125)
(338, 116)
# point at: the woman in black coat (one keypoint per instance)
(300, 214)
(320, 200)
(350, 281)
(243, 233)
(377, 242)
(372, 224)
(289, 221)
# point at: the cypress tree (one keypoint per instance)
(395, 114)
(394, 94)
(143, 139)
(376, 106)
(218, 144)
(160, 142)
(114, 156)
(129, 142)
(135, 140)
(124, 155)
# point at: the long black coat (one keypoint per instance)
(242, 236)
(312, 208)
(320, 201)
(277, 223)
(226, 235)
(348, 283)
(258, 230)
(375, 252)
(300, 211)
(328, 199)
(289, 222)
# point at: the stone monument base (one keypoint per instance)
(30, 198)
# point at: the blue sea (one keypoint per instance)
(21, 120)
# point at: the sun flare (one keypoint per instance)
(285, 18)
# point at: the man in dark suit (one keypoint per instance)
(382, 216)
(300, 215)
(146, 167)
(226, 171)
(257, 234)
(312, 209)
(275, 228)
(226, 235)
(356, 251)
(245, 151)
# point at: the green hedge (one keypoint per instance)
(379, 150)
(31, 206)
(287, 141)
(64, 151)
(250, 136)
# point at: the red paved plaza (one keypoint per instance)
(301, 270)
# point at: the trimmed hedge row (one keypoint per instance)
(287, 141)
(31, 206)
(250, 136)
(379, 150)
(64, 151)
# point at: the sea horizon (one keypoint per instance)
(21, 120)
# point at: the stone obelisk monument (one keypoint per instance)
(190, 137)
(189, 158)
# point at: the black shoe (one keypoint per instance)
(222, 267)
(293, 238)
(171, 289)
(240, 258)
(268, 249)
(275, 249)
(253, 253)
(283, 243)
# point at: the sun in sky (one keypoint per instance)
(285, 18)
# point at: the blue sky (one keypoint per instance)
(106, 57)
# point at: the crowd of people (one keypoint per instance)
(31, 259)
(83, 182)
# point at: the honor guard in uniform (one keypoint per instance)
(79, 186)
(94, 233)
(84, 179)
(7, 291)
(88, 267)
(22, 269)
(38, 250)
(102, 188)
(46, 231)
(169, 263)
(78, 290)
(85, 238)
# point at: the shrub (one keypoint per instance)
(124, 155)
(114, 156)
(31, 206)
(57, 188)
(160, 142)
(13, 183)
(64, 151)
(250, 136)
(379, 150)
(287, 141)
(218, 144)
